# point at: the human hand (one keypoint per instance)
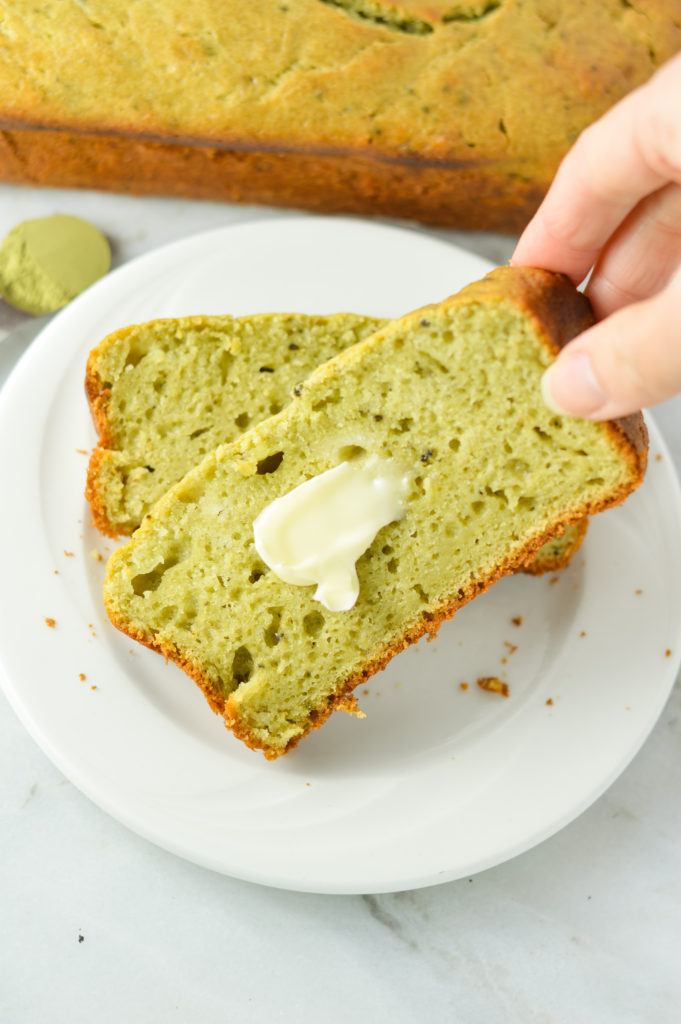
(615, 205)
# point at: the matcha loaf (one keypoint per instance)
(447, 396)
(451, 112)
(163, 394)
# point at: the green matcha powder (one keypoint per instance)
(47, 262)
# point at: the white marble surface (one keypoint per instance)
(99, 925)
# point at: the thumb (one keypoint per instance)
(627, 361)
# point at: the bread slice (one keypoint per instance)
(451, 393)
(163, 394)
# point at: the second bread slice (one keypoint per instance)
(164, 393)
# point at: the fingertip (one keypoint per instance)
(547, 394)
(569, 387)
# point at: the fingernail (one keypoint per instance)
(569, 386)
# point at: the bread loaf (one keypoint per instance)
(452, 113)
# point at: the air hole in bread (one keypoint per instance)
(189, 493)
(333, 398)
(197, 433)
(418, 589)
(455, 444)
(148, 582)
(257, 573)
(273, 634)
(226, 360)
(313, 623)
(133, 358)
(242, 665)
(270, 463)
(242, 420)
(500, 495)
(351, 451)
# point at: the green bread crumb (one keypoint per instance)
(47, 262)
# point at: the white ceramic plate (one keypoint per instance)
(437, 782)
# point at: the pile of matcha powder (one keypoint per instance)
(47, 262)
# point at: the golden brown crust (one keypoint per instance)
(432, 192)
(100, 517)
(99, 409)
(98, 395)
(171, 653)
(99, 392)
(98, 398)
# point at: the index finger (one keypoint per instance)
(634, 149)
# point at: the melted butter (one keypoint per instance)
(316, 532)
